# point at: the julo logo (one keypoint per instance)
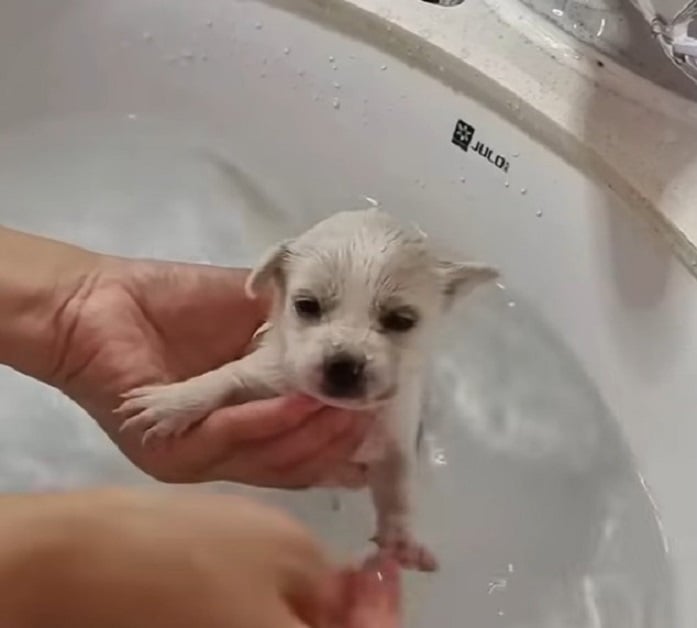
(463, 137)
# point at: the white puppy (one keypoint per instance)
(358, 299)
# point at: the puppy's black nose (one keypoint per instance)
(344, 375)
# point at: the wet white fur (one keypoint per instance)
(358, 264)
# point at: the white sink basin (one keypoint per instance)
(203, 131)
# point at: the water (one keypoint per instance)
(529, 483)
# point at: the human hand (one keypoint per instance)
(158, 559)
(134, 323)
(373, 595)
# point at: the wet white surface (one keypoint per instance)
(529, 494)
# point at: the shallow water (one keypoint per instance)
(529, 495)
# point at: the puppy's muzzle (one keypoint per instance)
(344, 376)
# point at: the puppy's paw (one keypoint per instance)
(397, 541)
(161, 412)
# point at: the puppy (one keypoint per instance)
(358, 299)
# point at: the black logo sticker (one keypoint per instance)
(463, 136)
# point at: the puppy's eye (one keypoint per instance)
(307, 307)
(399, 321)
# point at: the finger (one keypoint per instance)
(320, 466)
(327, 429)
(278, 615)
(312, 447)
(375, 595)
(313, 591)
(255, 420)
(350, 475)
(214, 440)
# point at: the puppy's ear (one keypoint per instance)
(460, 278)
(270, 268)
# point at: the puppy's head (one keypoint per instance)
(358, 297)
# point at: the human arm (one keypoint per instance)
(41, 283)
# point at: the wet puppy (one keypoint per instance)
(358, 299)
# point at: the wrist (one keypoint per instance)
(42, 284)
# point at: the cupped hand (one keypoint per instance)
(134, 323)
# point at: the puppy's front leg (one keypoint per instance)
(390, 485)
(391, 480)
(169, 410)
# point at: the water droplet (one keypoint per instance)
(438, 458)
(372, 201)
(331, 59)
(538, 213)
(286, 50)
(336, 85)
(507, 184)
(462, 179)
(383, 67)
(258, 26)
(187, 54)
(510, 568)
(336, 103)
(497, 585)
(209, 23)
(500, 286)
(516, 154)
(335, 68)
(523, 191)
(132, 116)
(501, 613)
(147, 36)
(511, 304)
